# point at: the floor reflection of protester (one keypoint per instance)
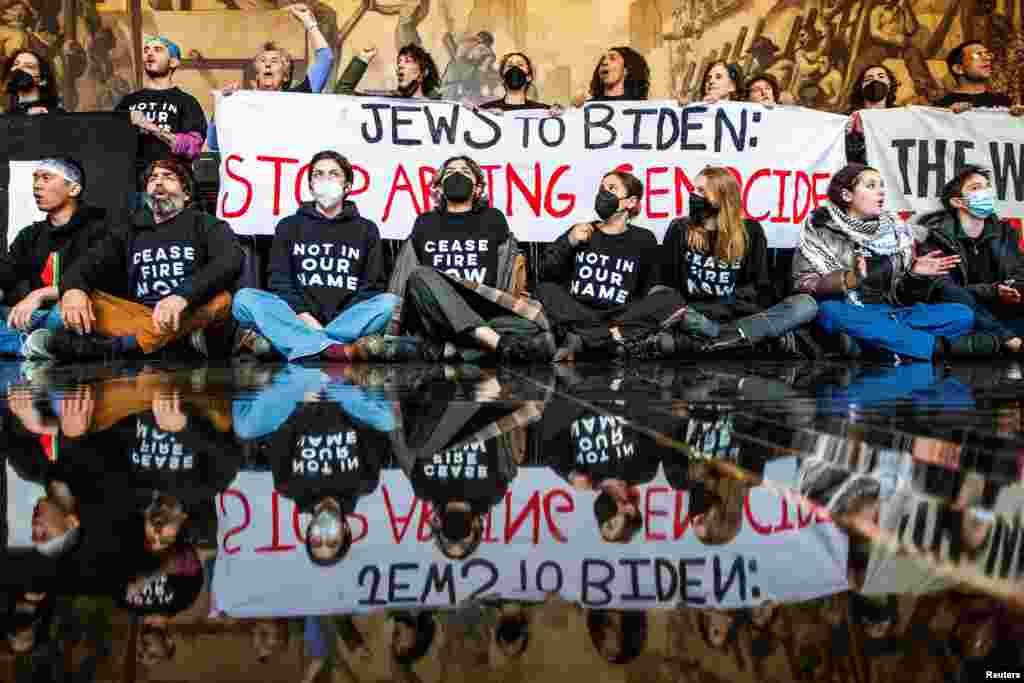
(618, 636)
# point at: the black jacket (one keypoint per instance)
(52, 105)
(754, 286)
(218, 257)
(998, 235)
(27, 256)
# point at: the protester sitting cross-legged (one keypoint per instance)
(990, 274)
(719, 261)
(856, 259)
(275, 67)
(463, 281)
(45, 249)
(327, 273)
(179, 263)
(415, 69)
(600, 281)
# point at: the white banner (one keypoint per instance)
(21, 206)
(919, 149)
(541, 538)
(21, 502)
(542, 171)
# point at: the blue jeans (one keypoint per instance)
(985, 318)
(908, 331)
(293, 338)
(255, 417)
(11, 339)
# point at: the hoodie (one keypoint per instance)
(29, 256)
(321, 265)
(194, 255)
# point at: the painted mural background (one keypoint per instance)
(815, 48)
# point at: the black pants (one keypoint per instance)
(444, 311)
(642, 316)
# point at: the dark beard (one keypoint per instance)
(165, 207)
(157, 74)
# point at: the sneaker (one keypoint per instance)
(67, 345)
(537, 348)
(976, 345)
(393, 349)
(247, 339)
(37, 346)
(653, 346)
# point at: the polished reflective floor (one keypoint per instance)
(651, 522)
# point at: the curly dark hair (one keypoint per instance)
(772, 82)
(638, 75)
(48, 84)
(857, 95)
(430, 78)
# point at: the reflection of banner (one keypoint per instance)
(21, 500)
(543, 537)
(919, 149)
(543, 171)
(105, 144)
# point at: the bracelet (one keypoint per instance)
(310, 23)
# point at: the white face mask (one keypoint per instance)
(327, 193)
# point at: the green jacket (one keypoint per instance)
(354, 73)
(938, 231)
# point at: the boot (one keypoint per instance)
(977, 345)
(693, 323)
(730, 339)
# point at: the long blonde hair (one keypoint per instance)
(731, 244)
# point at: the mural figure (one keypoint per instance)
(410, 14)
(16, 16)
(688, 21)
(472, 71)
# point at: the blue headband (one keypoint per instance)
(172, 49)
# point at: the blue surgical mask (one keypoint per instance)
(980, 203)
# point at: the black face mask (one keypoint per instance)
(606, 204)
(701, 209)
(515, 78)
(875, 91)
(20, 81)
(457, 187)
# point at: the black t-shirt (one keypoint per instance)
(173, 110)
(470, 472)
(463, 245)
(708, 277)
(321, 452)
(163, 594)
(612, 270)
(985, 99)
(502, 105)
(160, 262)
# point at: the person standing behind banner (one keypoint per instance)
(856, 259)
(516, 71)
(274, 68)
(970, 64)
(719, 261)
(415, 69)
(464, 280)
(43, 250)
(600, 282)
(171, 122)
(327, 273)
(721, 81)
(622, 74)
(178, 263)
(28, 80)
(990, 275)
(763, 89)
(875, 88)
